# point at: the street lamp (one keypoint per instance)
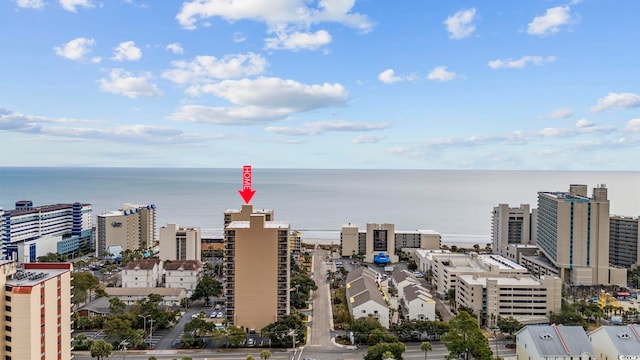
(151, 334)
(144, 323)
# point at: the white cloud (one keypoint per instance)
(274, 13)
(125, 83)
(30, 4)
(584, 123)
(459, 25)
(561, 113)
(75, 49)
(278, 93)
(617, 101)
(127, 51)
(238, 37)
(175, 48)
(316, 128)
(633, 126)
(298, 40)
(440, 73)
(208, 68)
(521, 62)
(246, 115)
(367, 139)
(71, 5)
(388, 77)
(550, 22)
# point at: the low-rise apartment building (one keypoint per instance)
(146, 273)
(556, 342)
(616, 342)
(364, 296)
(170, 296)
(182, 274)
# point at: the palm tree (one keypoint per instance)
(425, 346)
(265, 354)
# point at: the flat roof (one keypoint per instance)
(267, 225)
(525, 281)
(33, 277)
(500, 261)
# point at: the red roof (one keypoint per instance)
(624, 294)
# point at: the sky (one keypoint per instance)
(384, 84)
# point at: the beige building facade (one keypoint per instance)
(256, 269)
(37, 311)
(523, 297)
(510, 225)
(573, 233)
(132, 227)
(179, 243)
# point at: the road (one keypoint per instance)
(322, 320)
(413, 351)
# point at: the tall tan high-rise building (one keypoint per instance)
(177, 243)
(257, 263)
(510, 226)
(132, 227)
(573, 233)
(36, 308)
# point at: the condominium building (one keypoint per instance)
(384, 238)
(36, 307)
(256, 269)
(295, 242)
(144, 273)
(183, 274)
(245, 212)
(448, 267)
(178, 243)
(523, 297)
(510, 225)
(30, 231)
(623, 241)
(364, 297)
(132, 227)
(573, 233)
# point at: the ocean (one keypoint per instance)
(456, 203)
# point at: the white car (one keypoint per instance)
(220, 314)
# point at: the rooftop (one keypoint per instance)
(267, 225)
(113, 291)
(520, 281)
(182, 264)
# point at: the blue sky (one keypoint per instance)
(321, 84)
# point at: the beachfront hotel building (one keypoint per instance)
(510, 225)
(178, 243)
(623, 241)
(36, 308)
(256, 268)
(523, 297)
(28, 231)
(573, 234)
(132, 227)
(384, 238)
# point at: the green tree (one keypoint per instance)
(377, 351)
(412, 266)
(152, 358)
(117, 306)
(388, 355)
(465, 339)
(426, 347)
(279, 332)
(100, 349)
(250, 357)
(236, 336)
(509, 325)
(380, 335)
(51, 257)
(83, 282)
(363, 326)
(265, 354)
(206, 288)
